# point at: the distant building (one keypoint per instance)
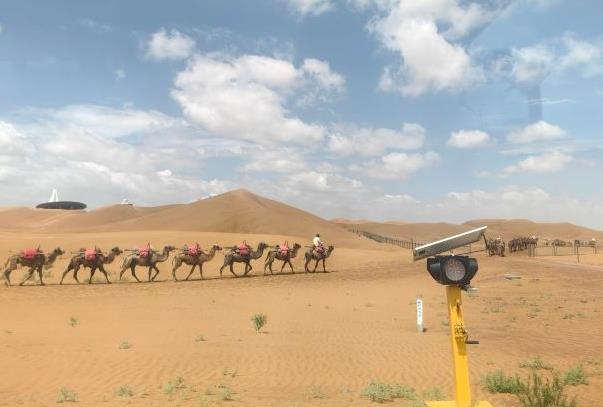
(55, 203)
(126, 201)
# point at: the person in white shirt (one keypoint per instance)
(317, 242)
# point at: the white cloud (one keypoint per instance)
(283, 160)
(245, 97)
(106, 121)
(311, 7)
(120, 73)
(400, 199)
(545, 163)
(469, 139)
(95, 25)
(397, 165)
(431, 60)
(536, 132)
(583, 55)
(348, 139)
(532, 64)
(322, 182)
(169, 45)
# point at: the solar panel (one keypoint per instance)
(449, 243)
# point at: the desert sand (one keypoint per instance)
(327, 336)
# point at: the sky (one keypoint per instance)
(431, 110)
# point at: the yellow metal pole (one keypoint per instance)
(458, 337)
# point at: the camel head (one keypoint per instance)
(296, 246)
(169, 248)
(262, 246)
(58, 251)
(216, 247)
(331, 248)
(117, 251)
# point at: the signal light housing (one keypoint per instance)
(452, 270)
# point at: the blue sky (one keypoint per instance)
(386, 109)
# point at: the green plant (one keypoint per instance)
(66, 396)
(538, 392)
(200, 338)
(226, 393)
(125, 345)
(575, 376)
(536, 364)
(498, 382)
(73, 321)
(382, 392)
(174, 386)
(123, 391)
(259, 320)
(316, 392)
(433, 394)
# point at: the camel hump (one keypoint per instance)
(243, 249)
(193, 249)
(283, 249)
(144, 251)
(29, 252)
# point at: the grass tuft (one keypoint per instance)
(575, 376)
(174, 385)
(382, 392)
(66, 396)
(434, 394)
(200, 338)
(259, 320)
(74, 321)
(536, 364)
(497, 382)
(538, 392)
(226, 393)
(123, 391)
(125, 345)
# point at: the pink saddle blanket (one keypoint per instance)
(283, 250)
(144, 251)
(29, 253)
(90, 254)
(193, 249)
(243, 250)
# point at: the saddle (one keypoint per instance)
(243, 249)
(144, 251)
(29, 253)
(193, 249)
(90, 254)
(283, 249)
(320, 249)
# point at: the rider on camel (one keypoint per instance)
(318, 244)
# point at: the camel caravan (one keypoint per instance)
(146, 257)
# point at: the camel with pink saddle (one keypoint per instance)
(93, 259)
(192, 255)
(33, 258)
(283, 253)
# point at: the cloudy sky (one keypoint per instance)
(411, 110)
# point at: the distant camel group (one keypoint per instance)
(145, 257)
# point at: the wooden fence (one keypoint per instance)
(534, 250)
(407, 244)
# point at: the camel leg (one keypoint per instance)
(102, 269)
(291, 265)
(177, 264)
(201, 270)
(324, 269)
(231, 270)
(306, 264)
(133, 270)
(150, 269)
(7, 276)
(156, 272)
(190, 273)
(92, 271)
(31, 271)
(315, 265)
(266, 264)
(77, 268)
(247, 265)
(65, 273)
(283, 265)
(40, 274)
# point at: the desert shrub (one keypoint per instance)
(259, 320)
(200, 338)
(125, 345)
(74, 321)
(538, 392)
(174, 386)
(316, 392)
(433, 394)
(382, 392)
(124, 391)
(536, 364)
(66, 396)
(498, 382)
(226, 393)
(575, 376)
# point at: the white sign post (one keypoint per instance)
(420, 327)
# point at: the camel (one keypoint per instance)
(191, 260)
(231, 256)
(285, 258)
(150, 261)
(312, 254)
(98, 262)
(36, 263)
